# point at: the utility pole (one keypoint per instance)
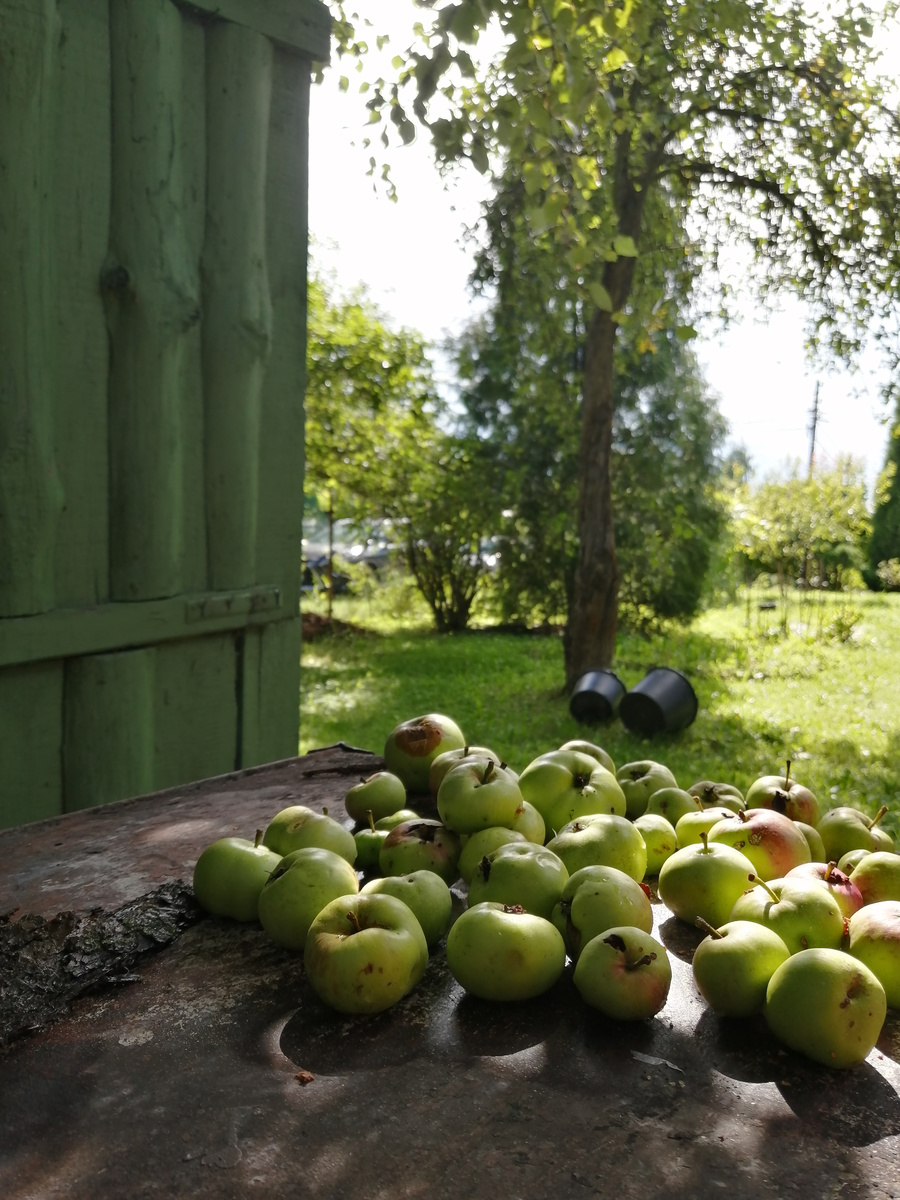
(814, 421)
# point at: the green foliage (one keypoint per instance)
(884, 544)
(808, 529)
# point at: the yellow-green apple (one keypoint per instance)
(733, 965)
(801, 912)
(425, 893)
(771, 841)
(814, 841)
(838, 883)
(230, 874)
(639, 780)
(364, 953)
(298, 826)
(827, 1005)
(565, 784)
(601, 839)
(660, 839)
(485, 842)
(592, 749)
(452, 758)
(396, 818)
(520, 873)
(529, 822)
(718, 795)
(875, 941)
(476, 794)
(850, 861)
(845, 828)
(421, 845)
(784, 795)
(704, 880)
(412, 746)
(691, 828)
(369, 841)
(625, 973)
(381, 794)
(672, 803)
(878, 877)
(297, 891)
(594, 900)
(501, 952)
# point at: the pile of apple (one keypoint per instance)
(801, 912)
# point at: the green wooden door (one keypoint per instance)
(152, 325)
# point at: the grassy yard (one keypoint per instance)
(764, 693)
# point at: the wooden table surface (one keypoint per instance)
(184, 1083)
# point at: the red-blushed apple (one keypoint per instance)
(784, 795)
(625, 973)
(485, 842)
(801, 911)
(364, 953)
(230, 874)
(564, 784)
(827, 1005)
(639, 780)
(839, 884)
(425, 893)
(601, 839)
(299, 826)
(771, 841)
(844, 828)
(501, 952)
(297, 891)
(596, 899)
(673, 804)
(421, 845)
(520, 873)
(412, 747)
(476, 794)
(660, 840)
(593, 750)
(704, 880)
(875, 941)
(877, 877)
(692, 827)
(452, 758)
(733, 965)
(381, 794)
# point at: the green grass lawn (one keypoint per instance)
(764, 694)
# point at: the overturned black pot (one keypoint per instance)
(663, 702)
(596, 697)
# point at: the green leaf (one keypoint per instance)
(600, 296)
(624, 246)
(685, 333)
(534, 179)
(615, 60)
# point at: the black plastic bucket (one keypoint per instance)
(663, 702)
(596, 697)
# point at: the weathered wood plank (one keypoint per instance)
(31, 714)
(30, 490)
(152, 293)
(303, 25)
(109, 734)
(237, 315)
(270, 692)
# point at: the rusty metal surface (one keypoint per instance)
(186, 1083)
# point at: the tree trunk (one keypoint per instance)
(590, 638)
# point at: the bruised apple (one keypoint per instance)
(412, 747)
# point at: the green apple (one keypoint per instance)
(672, 803)
(502, 952)
(421, 845)
(704, 880)
(692, 827)
(801, 912)
(565, 784)
(718, 795)
(784, 795)
(733, 965)
(381, 794)
(660, 839)
(594, 900)
(771, 841)
(485, 842)
(827, 1005)
(368, 848)
(837, 882)
(452, 758)
(529, 822)
(297, 891)
(298, 826)
(601, 839)
(412, 747)
(520, 873)
(625, 973)
(878, 877)
(639, 780)
(396, 818)
(364, 953)
(477, 794)
(230, 874)
(814, 841)
(425, 893)
(593, 751)
(844, 828)
(875, 941)
(850, 861)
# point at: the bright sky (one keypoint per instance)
(414, 260)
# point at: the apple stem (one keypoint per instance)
(704, 838)
(881, 812)
(324, 810)
(354, 920)
(258, 838)
(832, 866)
(488, 770)
(755, 879)
(371, 817)
(787, 775)
(710, 930)
(644, 961)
